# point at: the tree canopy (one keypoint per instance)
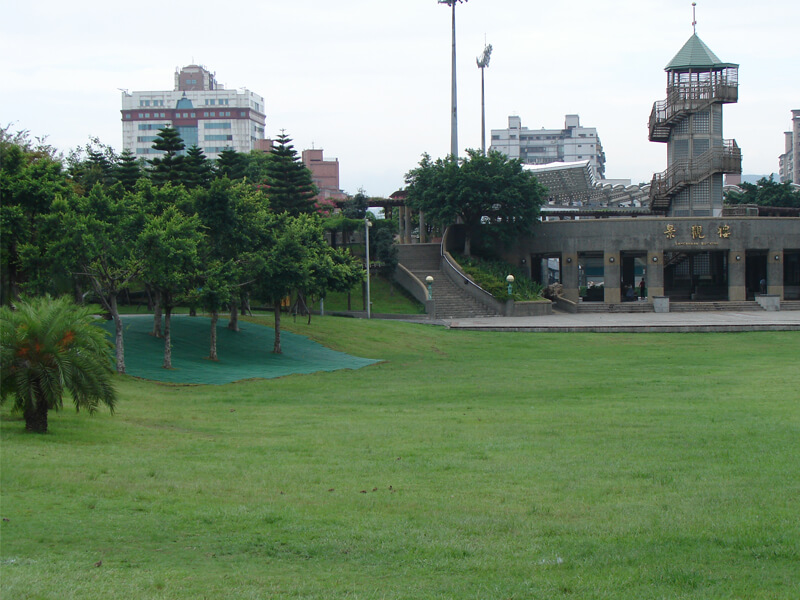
(490, 193)
(767, 192)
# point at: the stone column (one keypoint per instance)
(775, 272)
(655, 275)
(407, 224)
(736, 276)
(401, 229)
(611, 283)
(423, 234)
(569, 275)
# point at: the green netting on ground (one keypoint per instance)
(245, 354)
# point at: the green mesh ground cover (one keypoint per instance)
(245, 354)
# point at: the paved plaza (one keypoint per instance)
(637, 322)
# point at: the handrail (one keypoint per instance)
(692, 96)
(480, 294)
(713, 160)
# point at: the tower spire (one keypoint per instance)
(694, 17)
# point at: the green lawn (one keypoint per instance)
(468, 465)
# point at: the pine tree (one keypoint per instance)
(127, 170)
(169, 167)
(198, 168)
(231, 164)
(290, 187)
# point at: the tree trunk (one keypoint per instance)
(467, 243)
(233, 324)
(118, 345)
(157, 316)
(77, 293)
(213, 352)
(167, 338)
(36, 417)
(277, 348)
(151, 305)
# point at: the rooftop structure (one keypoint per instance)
(202, 110)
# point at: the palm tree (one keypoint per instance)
(48, 346)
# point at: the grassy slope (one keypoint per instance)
(520, 466)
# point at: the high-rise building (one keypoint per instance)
(789, 161)
(203, 112)
(542, 146)
(689, 121)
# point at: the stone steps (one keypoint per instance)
(790, 305)
(742, 306)
(622, 307)
(449, 300)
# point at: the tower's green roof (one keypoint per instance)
(696, 55)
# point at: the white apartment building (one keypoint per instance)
(789, 161)
(542, 146)
(203, 112)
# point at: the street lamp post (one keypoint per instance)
(454, 115)
(483, 62)
(429, 281)
(510, 280)
(367, 225)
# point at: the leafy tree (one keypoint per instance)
(170, 166)
(356, 207)
(286, 262)
(198, 168)
(231, 164)
(256, 162)
(49, 346)
(236, 221)
(491, 193)
(290, 187)
(92, 164)
(169, 244)
(31, 176)
(98, 239)
(767, 192)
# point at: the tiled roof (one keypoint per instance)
(695, 54)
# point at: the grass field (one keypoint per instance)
(468, 465)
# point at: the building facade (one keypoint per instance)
(789, 161)
(542, 146)
(204, 113)
(324, 174)
(689, 121)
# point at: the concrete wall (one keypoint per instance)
(652, 236)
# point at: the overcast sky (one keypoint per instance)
(369, 80)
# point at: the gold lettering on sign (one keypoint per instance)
(697, 232)
(724, 231)
(670, 232)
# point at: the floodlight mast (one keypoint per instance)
(454, 114)
(483, 62)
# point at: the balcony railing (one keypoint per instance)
(684, 98)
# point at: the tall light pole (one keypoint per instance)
(367, 225)
(454, 116)
(483, 62)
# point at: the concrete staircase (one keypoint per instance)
(449, 300)
(622, 307)
(790, 305)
